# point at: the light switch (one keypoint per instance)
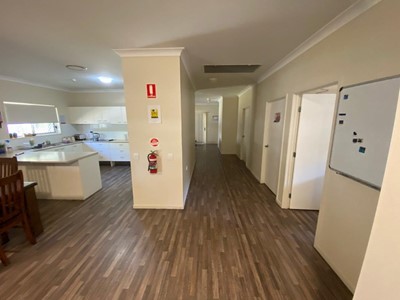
(135, 156)
(170, 156)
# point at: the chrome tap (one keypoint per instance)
(95, 136)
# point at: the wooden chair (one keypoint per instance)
(8, 166)
(12, 208)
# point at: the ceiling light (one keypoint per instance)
(105, 80)
(74, 79)
(76, 68)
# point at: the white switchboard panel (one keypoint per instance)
(363, 130)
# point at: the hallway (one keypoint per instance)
(231, 242)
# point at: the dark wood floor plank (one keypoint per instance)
(232, 241)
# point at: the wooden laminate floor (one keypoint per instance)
(231, 242)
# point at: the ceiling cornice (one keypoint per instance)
(245, 90)
(184, 59)
(342, 19)
(35, 84)
(16, 80)
(148, 52)
(97, 91)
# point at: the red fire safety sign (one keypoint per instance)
(154, 142)
(151, 90)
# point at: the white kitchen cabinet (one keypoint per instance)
(111, 115)
(110, 151)
(120, 151)
(82, 115)
(97, 115)
(124, 119)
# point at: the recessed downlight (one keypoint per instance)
(76, 68)
(104, 79)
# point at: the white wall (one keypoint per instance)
(379, 278)
(220, 119)
(166, 189)
(19, 92)
(365, 49)
(245, 100)
(212, 125)
(188, 143)
(228, 125)
(101, 98)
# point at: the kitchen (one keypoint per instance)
(87, 122)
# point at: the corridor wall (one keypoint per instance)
(365, 49)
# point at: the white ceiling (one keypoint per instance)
(38, 38)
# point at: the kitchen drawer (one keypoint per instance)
(120, 155)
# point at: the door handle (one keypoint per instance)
(266, 146)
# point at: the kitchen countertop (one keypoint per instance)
(106, 141)
(43, 157)
(24, 152)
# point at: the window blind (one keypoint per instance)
(29, 113)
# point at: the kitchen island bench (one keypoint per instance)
(62, 175)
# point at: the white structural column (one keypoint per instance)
(172, 98)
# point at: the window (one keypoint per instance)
(26, 119)
(37, 129)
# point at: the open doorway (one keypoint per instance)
(206, 123)
(314, 125)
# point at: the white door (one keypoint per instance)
(274, 126)
(245, 141)
(204, 126)
(315, 127)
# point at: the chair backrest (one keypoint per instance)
(12, 197)
(8, 166)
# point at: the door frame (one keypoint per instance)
(292, 140)
(265, 140)
(242, 134)
(204, 116)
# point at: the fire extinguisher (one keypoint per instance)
(152, 159)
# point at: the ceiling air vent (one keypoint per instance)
(230, 68)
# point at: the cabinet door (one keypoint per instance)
(97, 115)
(81, 115)
(111, 115)
(124, 119)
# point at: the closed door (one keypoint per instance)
(274, 127)
(314, 132)
(245, 141)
